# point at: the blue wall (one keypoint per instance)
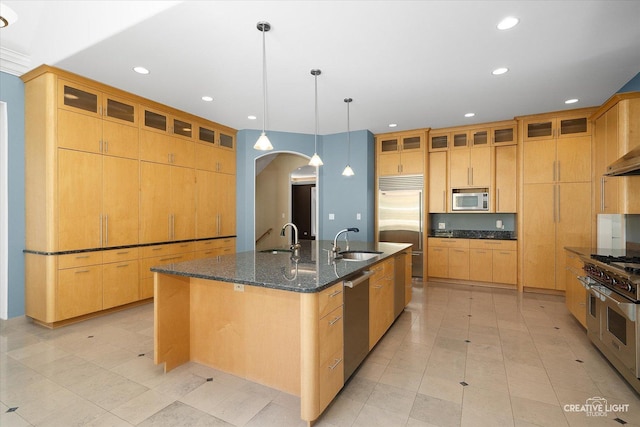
(342, 196)
(632, 85)
(12, 92)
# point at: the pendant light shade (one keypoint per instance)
(347, 170)
(263, 142)
(315, 159)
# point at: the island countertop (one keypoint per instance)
(312, 272)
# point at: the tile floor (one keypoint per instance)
(460, 355)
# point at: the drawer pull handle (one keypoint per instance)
(156, 249)
(123, 253)
(82, 271)
(82, 256)
(335, 365)
(122, 265)
(336, 293)
(377, 287)
(170, 258)
(333, 322)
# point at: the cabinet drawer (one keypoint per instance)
(505, 245)
(120, 283)
(331, 378)
(117, 255)
(330, 299)
(147, 263)
(170, 248)
(215, 243)
(448, 243)
(79, 259)
(330, 335)
(78, 291)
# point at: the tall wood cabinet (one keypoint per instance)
(556, 194)
(108, 173)
(616, 132)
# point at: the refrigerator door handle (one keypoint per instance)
(420, 220)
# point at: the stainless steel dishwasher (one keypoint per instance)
(356, 321)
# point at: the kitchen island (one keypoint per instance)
(274, 318)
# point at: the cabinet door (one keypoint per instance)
(505, 267)
(181, 128)
(459, 264)
(504, 135)
(79, 200)
(389, 144)
(225, 161)
(539, 161)
(573, 162)
(121, 185)
(183, 203)
(120, 110)
(439, 142)
(182, 152)
(480, 137)
(480, 164)
(205, 157)
(155, 202)
(459, 172)
(226, 140)
(539, 235)
(119, 140)
(389, 164)
(412, 162)
(155, 121)
(573, 222)
(438, 182)
(481, 265)
(78, 291)
(539, 129)
(79, 131)
(609, 193)
(438, 262)
(155, 147)
(120, 283)
(226, 201)
(505, 194)
(78, 98)
(206, 204)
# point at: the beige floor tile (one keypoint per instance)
(533, 390)
(142, 406)
(487, 400)
(178, 414)
(537, 413)
(374, 416)
(343, 411)
(477, 417)
(436, 411)
(239, 407)
(402, 378)
(441, 388)
(392, 399)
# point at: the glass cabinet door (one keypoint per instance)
(438, 142)
(460, 140)
(412, 143)
(75, 97)
(226, 141)
(503, 136)
(120, 110)
(537, 130)
(155, 121)
(389, 145)
(480, 137)
(206, 135)
(569, 127)
(182, 128)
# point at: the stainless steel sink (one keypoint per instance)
(276, 251)
(359, 255)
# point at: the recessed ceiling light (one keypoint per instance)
(140, 70)
(207, 98)
(251, 117)
(470, 114)
(499, 71)
(392, 125)
(571, 101)
(508, 22)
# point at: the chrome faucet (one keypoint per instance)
(295, 247)
(335, 249)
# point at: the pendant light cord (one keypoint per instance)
(264, 82)
(348, 134)
(315, 142)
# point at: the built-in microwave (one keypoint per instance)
(470, 199)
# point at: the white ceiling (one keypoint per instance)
(414, 63)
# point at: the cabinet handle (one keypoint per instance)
(82, 256)
(106, 230)
(333, 322)
(558, 170)
(100, 145)
(169, 226)
(497, 199)
(100, 244)
(156, 249)
(123, 253)
(106, 150)
(81, 271)
(471, 176)
(335, 365)
(444, 200)
(559, 203)
(122, 265)
(335, 294)
(554, 171)
(468, 176)
(554, 204)
(602, 184)
(170, 258)
(377, 287)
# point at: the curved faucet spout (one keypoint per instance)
(296, 244)
(335, 249)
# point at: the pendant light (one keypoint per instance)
(263, 142)
(315, 159)
(347, 170)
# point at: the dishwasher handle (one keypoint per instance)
(355, 282)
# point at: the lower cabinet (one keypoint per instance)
(478, 260)
(381, 286)
(160, 255)
(120, 277)
(575, 293)
(331, 369)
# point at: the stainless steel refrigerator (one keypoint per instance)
(400, 214)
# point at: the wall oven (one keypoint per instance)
(613, 313)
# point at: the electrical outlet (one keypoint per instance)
(442, 226)
(238, 287)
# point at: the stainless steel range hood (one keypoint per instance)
(629, 164)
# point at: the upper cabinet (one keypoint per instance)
(616, 132)
(401, 153)
(215, 150)
(162, 122)
(481, 135)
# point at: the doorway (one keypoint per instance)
(302, 210)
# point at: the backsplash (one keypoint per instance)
(473, 221)
(633, 228)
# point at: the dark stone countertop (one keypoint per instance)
(313, 272)
(474, 234)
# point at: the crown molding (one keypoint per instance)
(12, 62)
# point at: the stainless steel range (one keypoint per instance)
(613, 310)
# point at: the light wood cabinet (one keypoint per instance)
(448, 258)
(401, 154)
(616, 132)
(556, 196)
(506, 179)
(155, 120)
(120, 277)
(470, 168)
(331, 367)
(381, 284)
(160, 255)
(438, 182)
(575, 293)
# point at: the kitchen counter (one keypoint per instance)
(277, 270)
(474, 234)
